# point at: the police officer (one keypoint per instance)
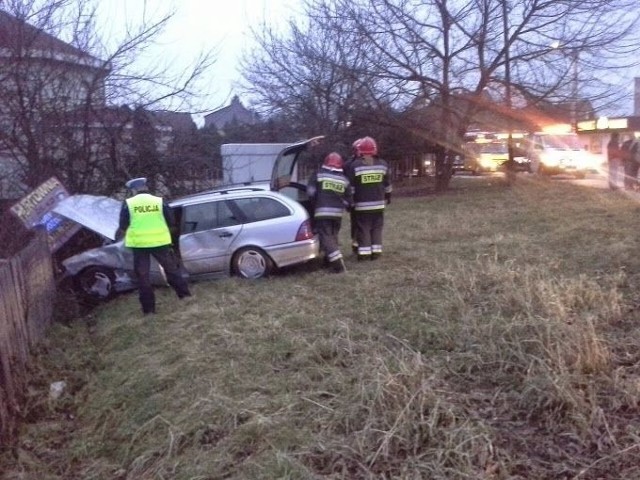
(329, 190)
(145, 220)
(370, 180)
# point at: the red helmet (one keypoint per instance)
(367, 146)
(354, 147)
(333, 160)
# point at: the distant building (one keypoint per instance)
(496, 117)
(61, 108)
(178, 121)
(40, 74)
(61, 74)
(484, 113)
(234, 113)
(110, 129)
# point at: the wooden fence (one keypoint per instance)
(27, 295)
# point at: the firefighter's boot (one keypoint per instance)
(338, 266)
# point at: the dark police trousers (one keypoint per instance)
(168, 259)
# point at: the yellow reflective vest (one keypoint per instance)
(147, 225)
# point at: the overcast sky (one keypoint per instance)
(201, 25)
(204, 24)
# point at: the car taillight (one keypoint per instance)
(304, 232)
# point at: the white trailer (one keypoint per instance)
(249, 162)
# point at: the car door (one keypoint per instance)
(207, 233)
(267, 221)
(293, 168)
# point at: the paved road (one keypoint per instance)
(596, 180)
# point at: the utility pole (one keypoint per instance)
(507, 78)
(574, 56)
(574, 90)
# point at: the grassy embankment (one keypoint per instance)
(496, 339)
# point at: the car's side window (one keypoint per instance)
(261, 208)
(227, 214)
(306, 163)
(196, 218)
(207, 216)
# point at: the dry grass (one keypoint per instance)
(496, 339)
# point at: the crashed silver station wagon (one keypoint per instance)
(247, 230)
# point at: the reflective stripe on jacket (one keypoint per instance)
(370, 182)
(330, 189)
(147, 227)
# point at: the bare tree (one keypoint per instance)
(450, 55)
(300, 77)
(64, 92)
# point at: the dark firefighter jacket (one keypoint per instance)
(330, 190)
(371, 183)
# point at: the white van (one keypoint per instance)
(559, 153)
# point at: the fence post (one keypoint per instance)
(27, 290)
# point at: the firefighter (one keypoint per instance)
(370, 180)
(329, 190)
(145, 220)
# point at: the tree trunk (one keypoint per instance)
(443, 171)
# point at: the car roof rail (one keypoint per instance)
(239, 189)
(224, 191)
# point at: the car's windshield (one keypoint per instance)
(493, 148)
(562, 142)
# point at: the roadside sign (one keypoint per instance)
(35, 209)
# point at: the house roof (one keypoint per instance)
(122, 117)
(491, 115)
(498, 117)
(18, 35)
(235, 111)
(176, 120)
(104, 116)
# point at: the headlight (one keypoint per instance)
(591, 162)
(549, 161)
(584, 162)
(486, 162)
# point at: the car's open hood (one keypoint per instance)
(99, 214)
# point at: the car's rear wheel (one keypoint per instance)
(252, 263)
(96, 283)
